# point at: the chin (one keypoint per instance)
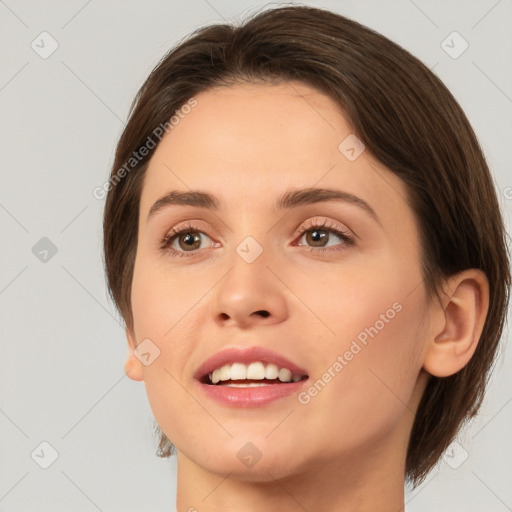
(261, 471)
(250, 462)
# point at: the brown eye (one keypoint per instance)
(184, 241)
(189, 241)
(317, 237)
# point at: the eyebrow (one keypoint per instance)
(290, 199)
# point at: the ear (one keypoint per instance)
(460, 321)
(133, 367)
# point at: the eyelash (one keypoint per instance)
(311, 225)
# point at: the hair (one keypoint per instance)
(407, 119)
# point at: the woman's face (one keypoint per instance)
(327, 287)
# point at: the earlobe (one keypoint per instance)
(464, 311)
(133, 367)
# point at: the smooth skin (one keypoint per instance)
(345, 449)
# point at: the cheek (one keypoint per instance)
(169, 309)
(368, 364)
(164, 300)
(375, 303)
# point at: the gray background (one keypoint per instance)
(63, 346)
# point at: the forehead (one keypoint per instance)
(249, 122)
(248, 142)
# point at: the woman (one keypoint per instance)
(302, 236)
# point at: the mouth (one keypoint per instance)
(255, 374)
(249, 377)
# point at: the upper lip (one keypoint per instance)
(246, 355)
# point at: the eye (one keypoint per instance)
(319, 233)
(186, 240)
(183, 239)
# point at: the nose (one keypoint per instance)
(250, 295)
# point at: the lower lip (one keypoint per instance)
(251, 397)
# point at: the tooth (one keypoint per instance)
(285, 375)
(271, 371)
(238, 371)
(225, 372)
(256, 371)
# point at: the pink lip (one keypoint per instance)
(251, 397)
(248, 397)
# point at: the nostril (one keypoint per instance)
(263, 313)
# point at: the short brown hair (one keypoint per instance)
(407, 119)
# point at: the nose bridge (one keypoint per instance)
(249, 292)
(249, 272)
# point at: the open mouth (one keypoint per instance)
(255, 374)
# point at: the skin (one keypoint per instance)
(345, 449)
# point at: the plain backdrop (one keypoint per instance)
(75, 432)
